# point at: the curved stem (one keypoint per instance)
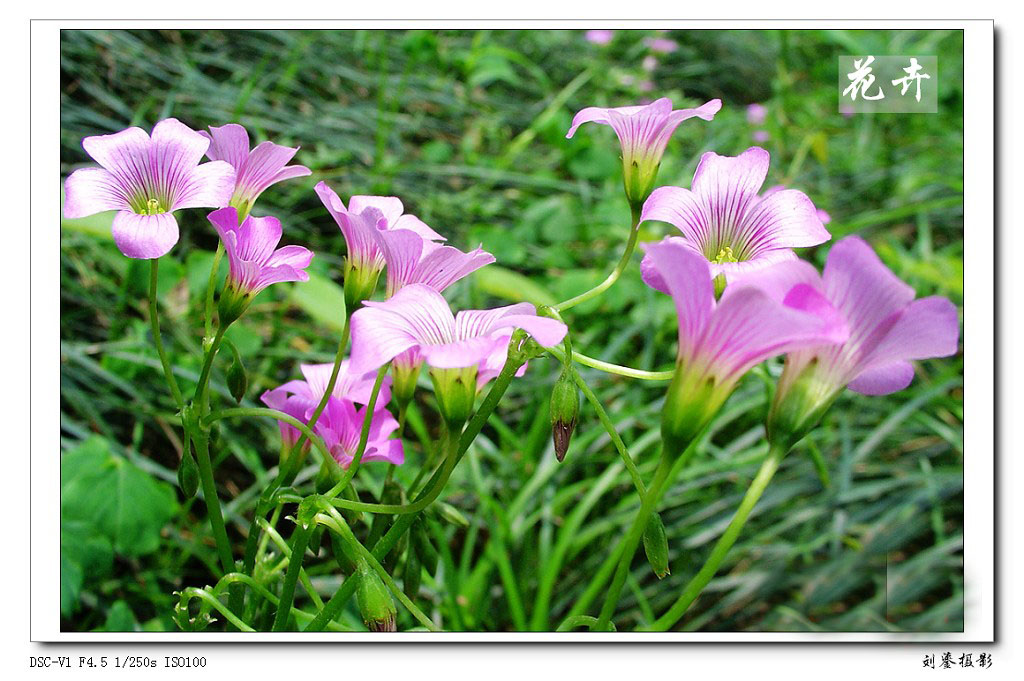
(211, 285)
(203, 595)
(650, 501)
(336, 522)
(270, 413)
(603, 417)
(364, 436)
(593, 589)
(634, 232)
(620, 370)
(571, 623)
(405, 521)
(693, 589)
(154, 320)
(238, 578)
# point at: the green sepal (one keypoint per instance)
(656, 546)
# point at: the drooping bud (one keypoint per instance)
(656, 546)
(565, 407)
(374, 601)
(238, 381)
(188, 474)
(455, 390)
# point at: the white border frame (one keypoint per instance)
(979, 215)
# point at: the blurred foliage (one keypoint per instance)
(862, 529)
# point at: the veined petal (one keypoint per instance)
(685, 276)
(681, 208)
(402, 250)
(144, 236)
(443, 266)
(228, 143)
(727, 185)
(263, 166)
(258, 237)
(124, 153)
(458, 354)
(784, 219)
(208, 185)
(390, 206)
(478, 323)
(416, 316)
(414, 224)
(93, 190)
(749, 269)
(928, 327)
(298, 257)
(884, 379)
(749, 327)
(864, 290)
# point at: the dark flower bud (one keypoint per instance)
(565, 407)
(656, 546)
(374, 601)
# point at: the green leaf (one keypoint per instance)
(70, 585)
(322, 299)
(510, 285)
(120, 618)
(125, 504)
(82, 552)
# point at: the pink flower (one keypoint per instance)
(760, 136)
(888, 327)
(300, 398)
(719, 342)
(255, 170)
(418, 317)
(599, 36)
(649, 63)
(723, 219)
(254, 262)
(643, 132)
(412, 259)
(364, 217)
(146, 179)
(341, 425)
(756, 113)
(663, 45)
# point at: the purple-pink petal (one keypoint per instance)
(92, 190)
(144, 236)
(253, 262)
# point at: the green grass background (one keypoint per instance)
(862, 528)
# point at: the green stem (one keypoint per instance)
(270, 413)
(300, 540)
(336, 522)
(202, 388)
(405, 521)
(693, 589)
(154, 320)
(213, 510)
(620, 370)
(593, 589)
(265, 502)
(364, 436)
(603, 417)
(634, 232)
(211, 285)
(636, 532)
(571, 623)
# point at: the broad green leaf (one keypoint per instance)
(510, 285)
(120, 618)
(125, 504)
(322, 299)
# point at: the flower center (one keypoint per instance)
(725, 255)
(143, 206)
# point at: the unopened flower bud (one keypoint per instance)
(656, 546)
(565, 407)
(188, 474)
(238, 381)
(374, 601)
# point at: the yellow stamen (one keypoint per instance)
(725, 255)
